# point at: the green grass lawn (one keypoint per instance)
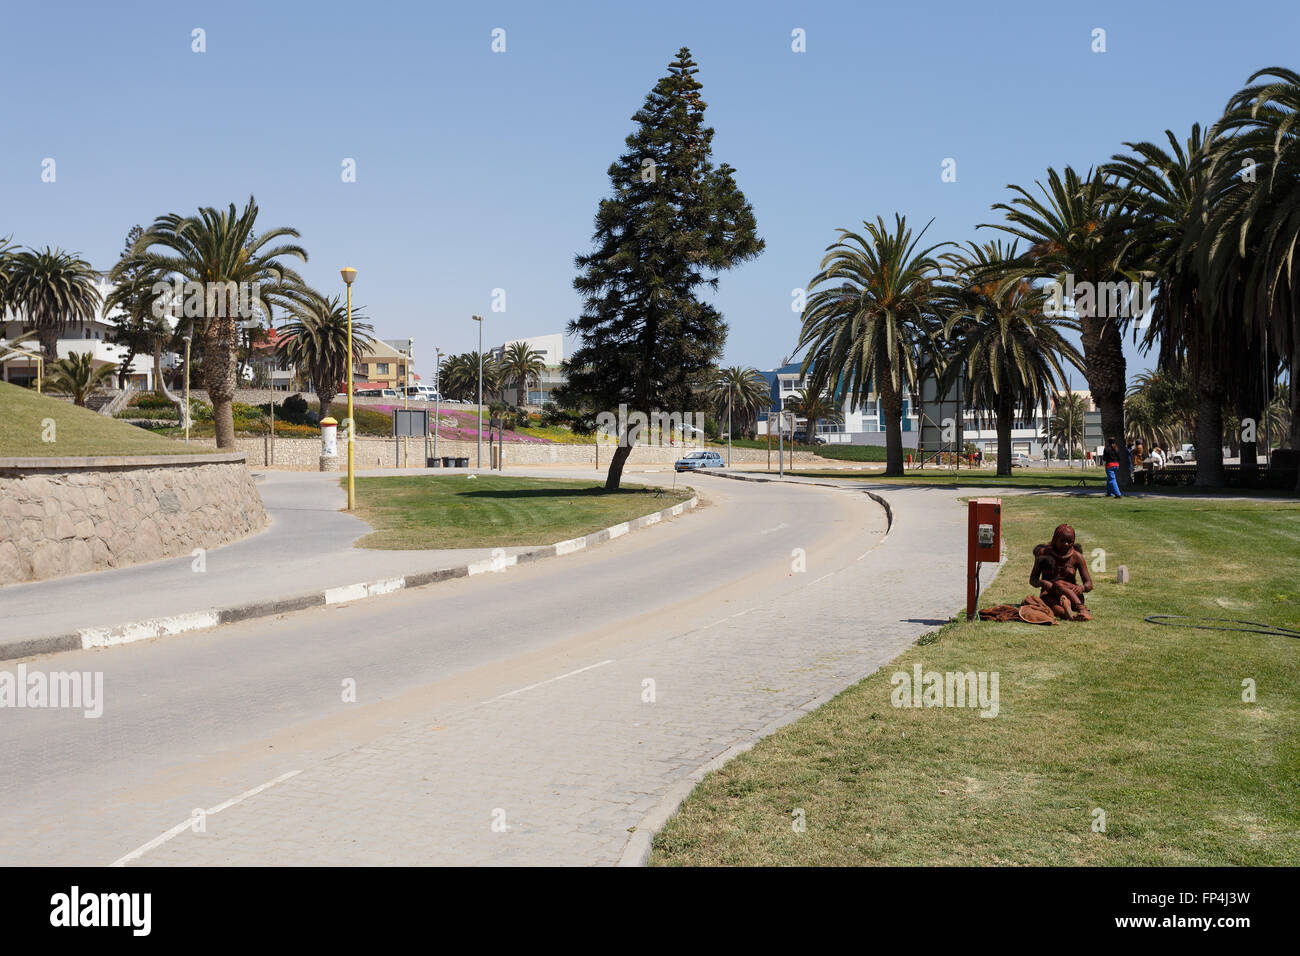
(25, 419)
(492, 511)
(1143, 722)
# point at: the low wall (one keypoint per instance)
(68, 515)
(303, 454)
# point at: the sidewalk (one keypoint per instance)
(306, 548)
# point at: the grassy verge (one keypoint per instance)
(35, 426)
(494, 511)
(1143, 722)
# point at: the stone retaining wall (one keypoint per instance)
(68, 515)
(303, 454)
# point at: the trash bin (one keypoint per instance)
(462, 462)
(448, 461)
(433, 463)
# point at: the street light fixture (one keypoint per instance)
(187, 389)
(479, 320)
(349, 274)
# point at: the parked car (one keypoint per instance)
(422, 392)
(1020, 460)
(700, 459)
(1184, 455)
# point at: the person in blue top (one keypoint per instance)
(1112, 469)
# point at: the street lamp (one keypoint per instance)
(479, 320)
(437, 397)
(187, 389)
(350, 274)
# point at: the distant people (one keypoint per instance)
(1157, 459)
(1137, 461)
(1111, 462)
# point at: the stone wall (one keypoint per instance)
(68, 515)
(303, 454)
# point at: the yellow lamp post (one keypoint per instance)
(349, 275)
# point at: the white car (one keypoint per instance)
(1020, 460)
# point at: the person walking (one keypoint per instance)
(1112, 469)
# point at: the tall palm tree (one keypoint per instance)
(1078, 228)
(77, 376)
(1006, 346)
(53, 288)
(1065, 427)
(316, 340)
(815, 406)
(6, 263)
(865, 326)
(216, 247)
(1255, 220)
(1166, 191)
(457, 376)
(523, 366)
(737, 392)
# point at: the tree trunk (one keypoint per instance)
(325, 398)
(1005, 415)
(48, 336)
(1209, 442)
(160, 384)
(891, 407)
(220, 348)
(615, 474)
(1103, 353)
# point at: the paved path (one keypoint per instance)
(307, 547)
(522, 699)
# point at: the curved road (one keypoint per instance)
(532, 716)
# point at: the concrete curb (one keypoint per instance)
(884, 503)
(88, 637)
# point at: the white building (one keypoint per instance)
(552, 349)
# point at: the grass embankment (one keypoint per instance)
(492, 511)
(27, 420)
(1143, 722)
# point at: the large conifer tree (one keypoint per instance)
(673, 223)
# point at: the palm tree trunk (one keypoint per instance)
(891, 406)
(1209, 441)
(325, 397)
(1005, 412)
(1103, 353)
(160, 384)
(49, 339)
(220, 346)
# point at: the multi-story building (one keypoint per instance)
(858, 424)
(552, 349)
(386, 365)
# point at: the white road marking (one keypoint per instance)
(777, 528)
(182, 827)
(548, 681)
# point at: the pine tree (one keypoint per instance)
(673, 223)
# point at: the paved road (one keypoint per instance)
(529, 717)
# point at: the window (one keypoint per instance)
(381, 368)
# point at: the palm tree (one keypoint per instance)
(1007, 348)
(815, 406)
(864, 329)
(216, 248)
(1166, 191)
(737, 391)
(458, 377)
(522, 365)
(77, 376)
(1254, 216)
(1078, 228)
(53, 288)
(316, 340)
(6, 263)
(1066, 424)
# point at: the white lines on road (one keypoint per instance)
(777, 528)
(182, 827)
(551, 680)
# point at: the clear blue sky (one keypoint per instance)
(478, 170)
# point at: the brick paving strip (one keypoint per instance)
(582, 768)
(88, 637)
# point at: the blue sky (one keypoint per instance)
(479, 170)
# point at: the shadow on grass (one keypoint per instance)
(593, 492)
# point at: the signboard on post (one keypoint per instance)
(410, 422)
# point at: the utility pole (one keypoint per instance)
(479, 320)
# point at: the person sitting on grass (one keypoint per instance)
(1065, 599)
(1066, 559)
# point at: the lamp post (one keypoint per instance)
(728, 425)
(187, 389)
(479, 320)
(437, 396)
(349, 274)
